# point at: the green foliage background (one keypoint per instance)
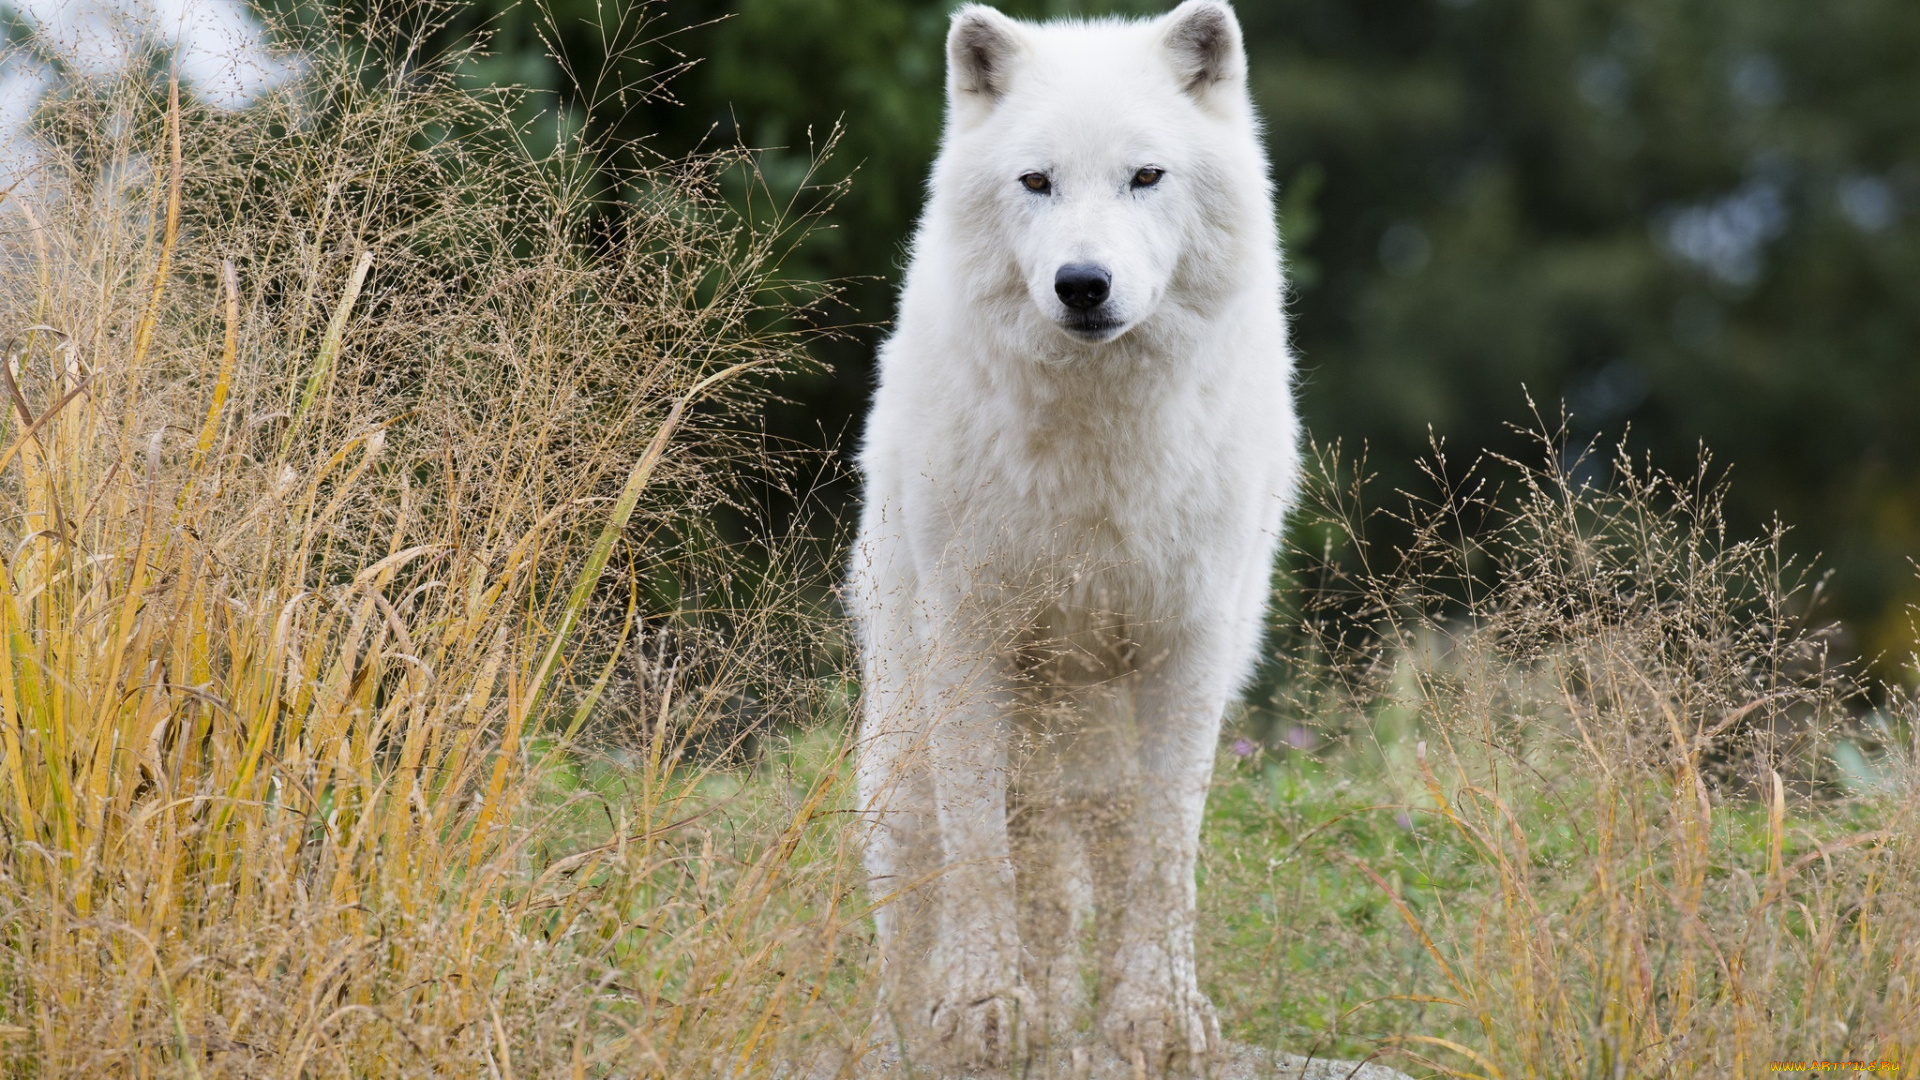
(1697, 220)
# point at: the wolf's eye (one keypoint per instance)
(1037, 183)
(1148, 177)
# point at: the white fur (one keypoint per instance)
(1065, 549)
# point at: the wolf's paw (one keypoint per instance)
(981, 1024)
(1162, 1030)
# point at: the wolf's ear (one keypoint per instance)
(1202, 40)
(982, 48)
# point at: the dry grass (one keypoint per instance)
(340, 438)
(1589, 825)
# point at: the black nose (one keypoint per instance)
(1082, 285)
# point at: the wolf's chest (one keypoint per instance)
(1122, 485)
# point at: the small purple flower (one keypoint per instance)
(1244, 748)
(1404, 820)
(1298, 738)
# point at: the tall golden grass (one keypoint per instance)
(339, 434)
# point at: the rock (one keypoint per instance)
(1240, 1062)
(1253, 1063)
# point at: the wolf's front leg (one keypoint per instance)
(902, 853)
(1050, 874)
(1155, 1011)
(980, 1000)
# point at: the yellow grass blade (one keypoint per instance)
(143, 333)
(229, 354)
(616, 523)
(323, 363)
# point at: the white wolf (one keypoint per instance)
(1077, 464)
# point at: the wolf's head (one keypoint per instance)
(1107, 171)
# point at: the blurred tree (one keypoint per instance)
(1693, 217)
(1697, 219)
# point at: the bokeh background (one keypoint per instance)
(1689, 223)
